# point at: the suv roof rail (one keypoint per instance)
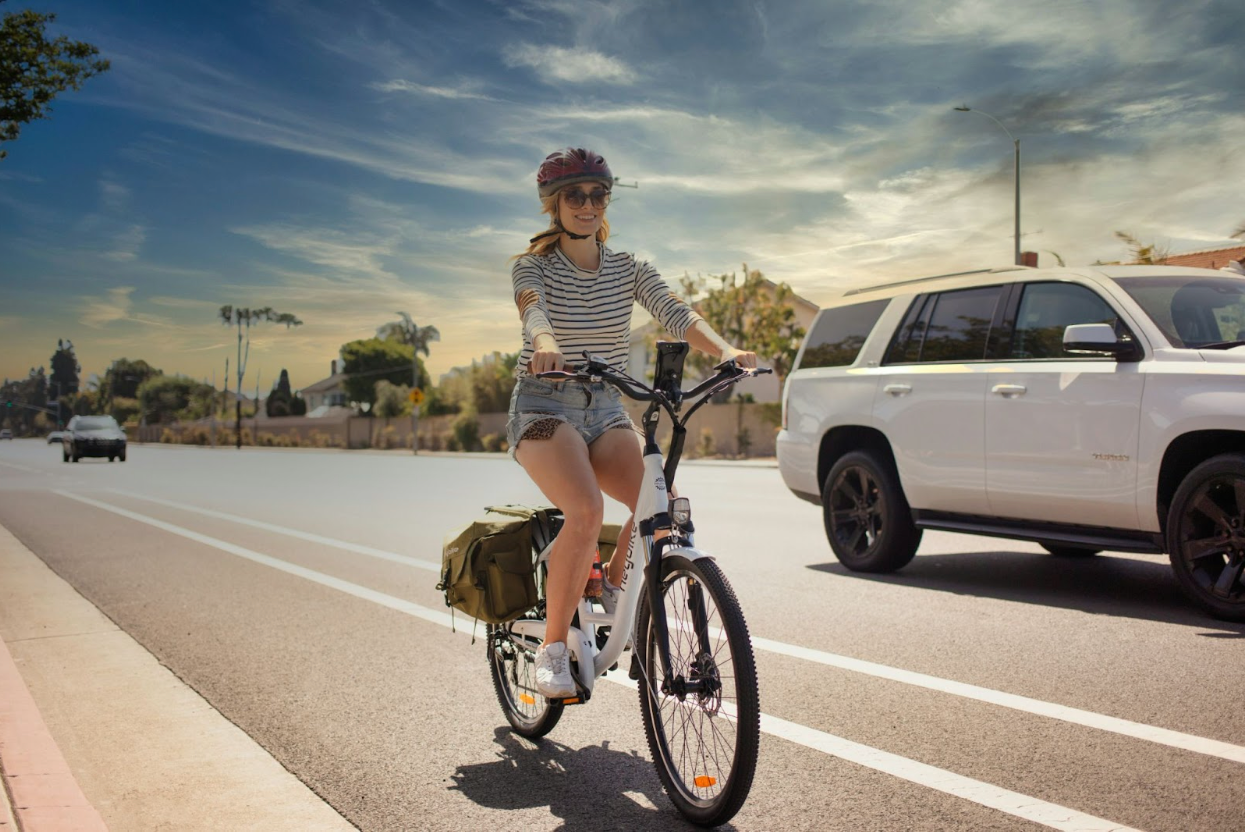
(862, 289)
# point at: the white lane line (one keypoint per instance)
(301, 535)
(931, 777)
(1076, 716)
(1137, 730)
(318, 577)
(22, 468)
(976, 791)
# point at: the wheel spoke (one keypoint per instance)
(1212, 510)
(1229, 577)
(1204, 547)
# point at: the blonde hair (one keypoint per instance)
(549, 205)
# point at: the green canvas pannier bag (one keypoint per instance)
(488, 568)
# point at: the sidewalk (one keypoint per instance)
(96, 733)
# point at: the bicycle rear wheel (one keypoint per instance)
(513, 667)
(704, 723)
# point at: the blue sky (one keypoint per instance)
(344, 160)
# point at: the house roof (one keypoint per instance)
(1215, 258)
(333, 382)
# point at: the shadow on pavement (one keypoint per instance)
(1102, 584)
(587, 788)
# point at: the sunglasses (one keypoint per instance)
(576, 198)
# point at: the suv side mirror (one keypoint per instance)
(1097, 338)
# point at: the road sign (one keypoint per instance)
(417, 396)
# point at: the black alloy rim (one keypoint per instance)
(1212, 538)
(857, 511)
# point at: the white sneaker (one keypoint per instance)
(553, 671)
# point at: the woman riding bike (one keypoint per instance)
(575, 439)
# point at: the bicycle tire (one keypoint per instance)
(691, 738)
(513, 668)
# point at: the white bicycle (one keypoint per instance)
(692, 658)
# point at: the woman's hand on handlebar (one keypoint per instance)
(742, 358)
(546, 359)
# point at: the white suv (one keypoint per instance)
(1082, 408)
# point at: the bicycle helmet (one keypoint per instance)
(570, 165)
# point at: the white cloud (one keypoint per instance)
(399, 85)
(557, 64)
(127, 243)
(99, 312)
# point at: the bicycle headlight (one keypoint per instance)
(681, 511)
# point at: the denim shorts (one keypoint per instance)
(590, 408)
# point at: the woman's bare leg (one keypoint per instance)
(619, 467)
(561, 469)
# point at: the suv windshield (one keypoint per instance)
(95, 423)
(1192, 312)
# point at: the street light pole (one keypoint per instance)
(1015, 143)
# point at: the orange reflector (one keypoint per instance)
(527, 699)
(574, 701)
(704, 781)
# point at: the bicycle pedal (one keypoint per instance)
(634, 672)
(570, 700)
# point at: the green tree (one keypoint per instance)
(29, 397)
(282, 401)
(244, 318)
(753, 314)
(492, 382)
(369, 360)
(392, 400)
(35, 68)
(166, 399)
(122, 378)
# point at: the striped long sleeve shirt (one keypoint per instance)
(591, 311)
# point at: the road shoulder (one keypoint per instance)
(145, 751)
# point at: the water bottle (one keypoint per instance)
(595, 586)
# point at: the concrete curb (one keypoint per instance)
(41, 790)
(135, 742)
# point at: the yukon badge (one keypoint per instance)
(1112, 457)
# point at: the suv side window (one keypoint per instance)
(1046, 309)
(839, 333)
(949, 326)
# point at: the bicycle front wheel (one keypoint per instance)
(704, 721)
(513, 667)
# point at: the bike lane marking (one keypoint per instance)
(1025, 704)
(976, 791)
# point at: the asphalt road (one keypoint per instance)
(988, 685)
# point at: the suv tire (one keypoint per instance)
(1061, 551)
(868, 521)
(1206, 536)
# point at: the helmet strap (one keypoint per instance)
(558, 229)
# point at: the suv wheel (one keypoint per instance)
(1206, 535)
(1060, 551)
(867, 518)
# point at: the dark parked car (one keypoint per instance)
(6, 434)
(93, 436)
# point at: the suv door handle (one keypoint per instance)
(898, 389)
(1009, 391)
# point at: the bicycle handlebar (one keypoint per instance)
(728, 372)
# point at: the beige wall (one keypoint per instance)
(722, 421)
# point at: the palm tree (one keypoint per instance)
(1146, 255)
(241, 316)
(407, 332)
